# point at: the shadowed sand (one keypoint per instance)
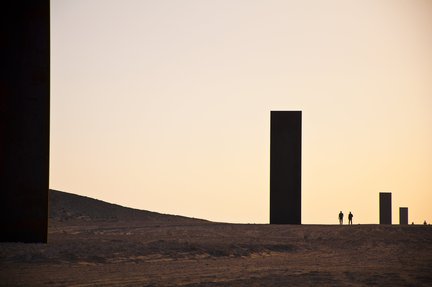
(95, 243)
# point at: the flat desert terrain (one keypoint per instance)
(93, 243)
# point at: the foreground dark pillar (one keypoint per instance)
(24, 120)
(403, 215)
(285, 167)
(385, 208)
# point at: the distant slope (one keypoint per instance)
(65, 206)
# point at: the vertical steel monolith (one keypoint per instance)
(285, 167)
(385, 209)
(24, 120)
(403, 215)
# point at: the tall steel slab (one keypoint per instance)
(403, 215)
(385, 209)
(285, 167)
(24, 120)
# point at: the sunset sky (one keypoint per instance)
(165, 105)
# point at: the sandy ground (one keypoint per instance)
(95, 243)
(117, 253)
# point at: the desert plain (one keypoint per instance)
(94, 243)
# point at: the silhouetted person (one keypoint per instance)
(425, 223)
(350, 217)
(340, 217)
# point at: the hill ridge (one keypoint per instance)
(65, 206)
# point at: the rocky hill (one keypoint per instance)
(65, 206)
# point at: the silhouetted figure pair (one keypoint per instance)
(341, 216)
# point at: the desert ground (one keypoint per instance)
(93, 243)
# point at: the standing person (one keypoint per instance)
(350, 217)
(340, 218)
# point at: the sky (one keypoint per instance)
(165, 105)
